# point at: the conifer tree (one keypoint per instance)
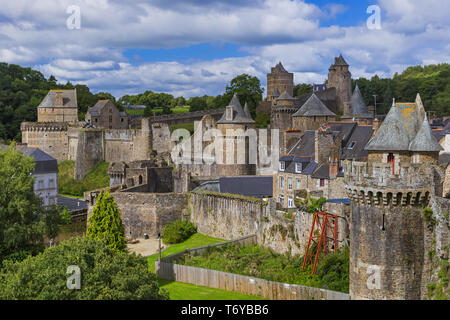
(106, 223)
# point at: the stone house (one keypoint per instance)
(45, 174)
(104, 114)
(59, 106)
(314, 163)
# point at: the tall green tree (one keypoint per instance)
(23, 220)
(105, 223)
(248, 89)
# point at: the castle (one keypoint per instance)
(59, 133)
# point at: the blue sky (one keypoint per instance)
(195, 47)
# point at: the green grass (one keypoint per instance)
(188, 126)
(96, 178)
(185, 291)
(195, 241)
(134, 112)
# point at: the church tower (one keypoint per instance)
(390, 237)
(339, 77)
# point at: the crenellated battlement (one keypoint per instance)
(376, 184)
(44, 126)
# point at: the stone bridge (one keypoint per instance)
(187, 117)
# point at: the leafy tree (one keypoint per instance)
(248, 89)
(106, 274)
(106, 223)
(197, 104)
(178, 231)
(23, 219)
(54, 217)
(302, 88)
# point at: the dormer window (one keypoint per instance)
(229, 114)
(298, 168)
(352, 145)
(282, 165)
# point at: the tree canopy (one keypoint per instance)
(248, 89)
(23, 219)
(105, 274)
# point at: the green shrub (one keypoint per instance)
(106, 274)
(178, 231)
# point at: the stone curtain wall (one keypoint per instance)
(147, 212)
(230, 217)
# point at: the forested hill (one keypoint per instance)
(432, 82)
(22, 89)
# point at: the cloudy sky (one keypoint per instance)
(195, 47)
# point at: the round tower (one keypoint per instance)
(389, 234)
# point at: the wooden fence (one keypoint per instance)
(169, 270)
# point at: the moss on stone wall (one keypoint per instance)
(230, 196)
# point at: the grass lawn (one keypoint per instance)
(185, 291)
(96, 178)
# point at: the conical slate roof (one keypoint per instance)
(285, 96)
(405, 128)
(247, 111)
(358, 108)
(314, 107)
(424, 140)
(280, 67)
(275, 93)
(239, 116)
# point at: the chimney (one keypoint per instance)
(58, 99)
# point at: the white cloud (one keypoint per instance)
(34, 33)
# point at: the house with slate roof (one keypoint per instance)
(105, 114)
(315, 162)
(45, 174)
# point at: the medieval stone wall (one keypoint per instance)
(147, 212)
(230, 217)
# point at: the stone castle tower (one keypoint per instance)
(279, 81)
(237, 119)
(339, 77)
(390, 238)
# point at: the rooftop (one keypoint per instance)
(405, 128)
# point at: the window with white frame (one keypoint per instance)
(299, 184)
(298, 168)
(281, 200)
(282, 165)
(281, 183)
(290, 202)
(289, 183)
(415, 158)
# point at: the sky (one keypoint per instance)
(195, 47)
